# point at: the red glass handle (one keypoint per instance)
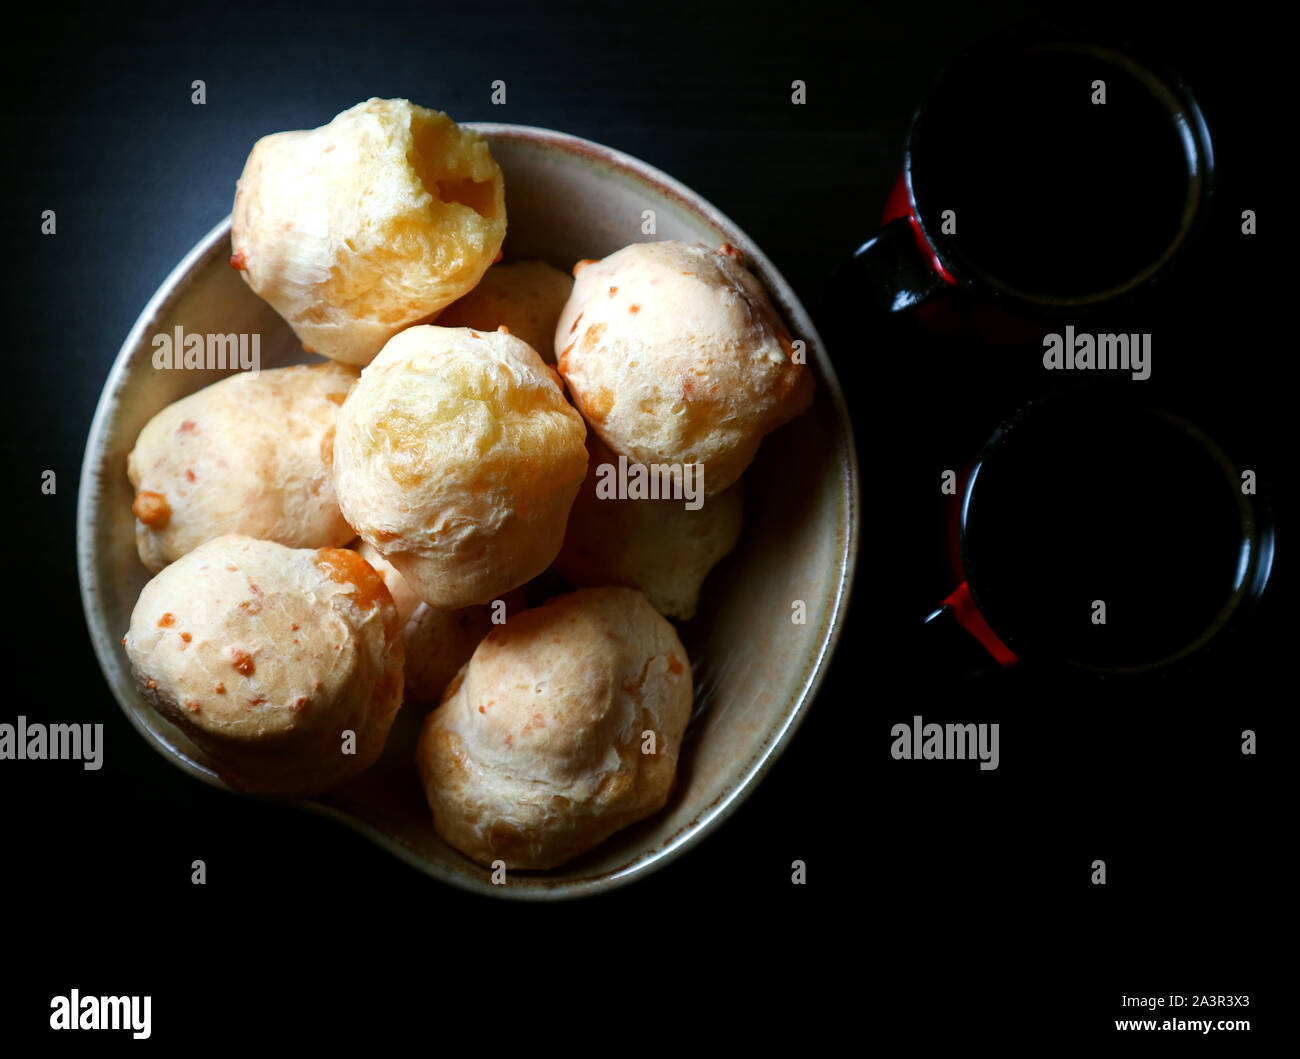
(900, 204)
(968, 616)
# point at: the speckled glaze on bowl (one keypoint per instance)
(756, 671)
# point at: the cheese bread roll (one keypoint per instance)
(437, 642)
(674, 355)
(458, 458)
(366, 225)
(563, 728)
(526, 297)
(283, 664)
(662, 547)
(250, 454)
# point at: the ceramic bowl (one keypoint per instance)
(756, 668)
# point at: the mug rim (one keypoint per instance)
(1189, 115)
(1255, 526)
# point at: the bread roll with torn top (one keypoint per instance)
(674, 355)
(457, 458)
(368, 224)
(538, 751)
(267, 657)
(251, 455)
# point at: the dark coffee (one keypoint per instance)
(1056, 198)
(1128, 506)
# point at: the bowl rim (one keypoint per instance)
(709, 819)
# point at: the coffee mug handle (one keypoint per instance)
(887, 273)
(959, 609)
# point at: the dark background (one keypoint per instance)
(940, 899)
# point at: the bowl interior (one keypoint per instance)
(755, 665)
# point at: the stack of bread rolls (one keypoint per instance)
(331, 541)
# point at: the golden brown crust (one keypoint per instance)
(266, 656)
(367, 225)
(674, 354)
(437, 642)
(249, 455)
(525, 297)
(662, 547)
(457, 458)
(538, 751)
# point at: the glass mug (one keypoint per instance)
(1043, 174)
(1107, 535)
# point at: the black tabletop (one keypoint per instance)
(915, 875)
